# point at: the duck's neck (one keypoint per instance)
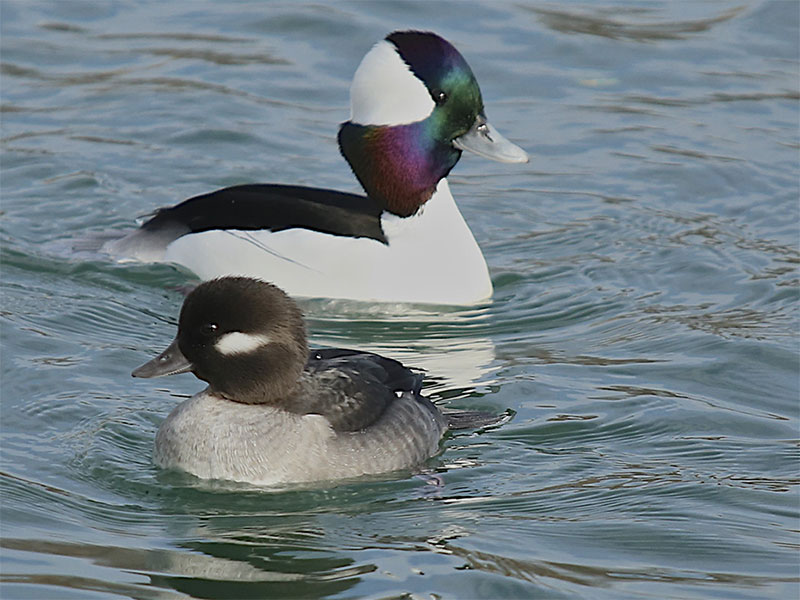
(277, 366)
(398, 166)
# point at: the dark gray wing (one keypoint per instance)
(273, 207)
(353, 389)
(392, 373)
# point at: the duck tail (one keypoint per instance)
(475, 419)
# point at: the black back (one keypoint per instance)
(276, 208)
(352, 389)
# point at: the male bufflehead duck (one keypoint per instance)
(275, 413)
(415, 105)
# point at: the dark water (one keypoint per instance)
(644, 327)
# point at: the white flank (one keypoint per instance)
(237, 342)
(385, 91)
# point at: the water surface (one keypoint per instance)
(643, 329)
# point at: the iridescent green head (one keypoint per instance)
(415, 106)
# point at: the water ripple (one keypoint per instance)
(601, 23)
(642, 331)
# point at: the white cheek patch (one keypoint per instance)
(385, 91)
(237, 342)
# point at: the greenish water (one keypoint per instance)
(644, 328)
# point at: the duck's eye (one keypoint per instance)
(209, 329)
(439, 97)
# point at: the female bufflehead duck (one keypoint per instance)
(272, 412)
(415, 105)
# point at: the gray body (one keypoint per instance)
(215, 438)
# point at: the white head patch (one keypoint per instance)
(385, 91)
(237, 342)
